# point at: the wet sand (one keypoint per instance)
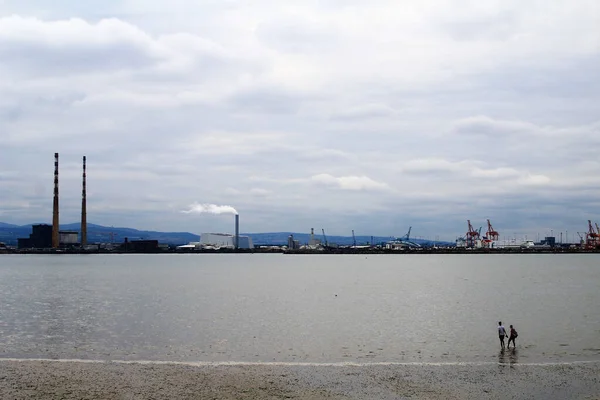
(35, 379)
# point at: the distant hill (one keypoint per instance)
(9, 234)
(101, 234)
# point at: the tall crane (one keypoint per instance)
(353, 238)
(472, 235)
(491, 233)
(591, 236)
(406, 239)
(324, 238)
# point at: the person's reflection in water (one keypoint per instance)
(502, 359)
(513, 356)
(509, 356)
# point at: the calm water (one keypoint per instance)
(422, 308)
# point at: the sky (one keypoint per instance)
(337, 115)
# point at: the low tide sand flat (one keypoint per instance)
(53, 379)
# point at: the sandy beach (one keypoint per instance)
(45, 379)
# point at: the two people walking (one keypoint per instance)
(502, 334)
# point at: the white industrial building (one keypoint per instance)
(224, 240)
(68, 238)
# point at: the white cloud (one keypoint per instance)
(260, 192)
(535, 180)
(436, 165)
(197, 208)
(72, 46)
(440, 107)
(349, 182)
(495, 173)
(230, 143)
(474, 170)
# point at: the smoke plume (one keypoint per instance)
(210, 209)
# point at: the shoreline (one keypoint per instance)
(334, 364)
(68, 379)
(340, 251)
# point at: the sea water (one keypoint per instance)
(300, 308)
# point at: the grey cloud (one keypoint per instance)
(20, 106)
(40, 48)
(316, 153)
(366, 111)
(500, 26)
(486, 126)
(73, 46)
(266, 100)
(544, 85)
(195, 115)
(10, 113)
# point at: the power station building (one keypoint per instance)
(41, 238)
(68, 238)
(44, 236)
(225, 240)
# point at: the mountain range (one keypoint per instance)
(9, 233)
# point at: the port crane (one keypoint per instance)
(591, 236)
(325, 238)
(491, 233)
(472, 235)
(407, 236)
(406, 239)
(490, 236)
(353, 238)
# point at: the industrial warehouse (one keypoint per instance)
(47, 238)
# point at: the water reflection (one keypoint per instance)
(502, 359)
(508, 357)
(513, 356)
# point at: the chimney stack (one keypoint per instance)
(55, 236)
(237, 231)
(83, 210)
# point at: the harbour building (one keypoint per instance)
(41, 238)
(224, 240)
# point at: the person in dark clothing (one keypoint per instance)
(513, 336)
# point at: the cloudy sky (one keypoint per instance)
(336, 114)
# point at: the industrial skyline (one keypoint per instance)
(44, 236)
(371, 116)
(472, 238)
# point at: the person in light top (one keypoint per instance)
(501, 333)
